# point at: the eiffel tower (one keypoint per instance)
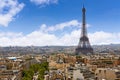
(84, 46)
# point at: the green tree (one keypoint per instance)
(35, 67)
(40, 68)
(26, 78)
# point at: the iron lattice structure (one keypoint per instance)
(84, 46)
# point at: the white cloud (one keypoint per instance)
(8, 9)
(44, 2)
(101, 37)
(61, 26)
(42, 38)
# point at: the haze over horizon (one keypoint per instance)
(58, 22)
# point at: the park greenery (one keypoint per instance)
(35, 69)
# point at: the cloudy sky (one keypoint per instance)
(58, 22)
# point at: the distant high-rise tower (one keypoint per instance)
(84, 46)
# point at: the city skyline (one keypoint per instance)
(58, 22)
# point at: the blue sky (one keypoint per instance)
(58, 22)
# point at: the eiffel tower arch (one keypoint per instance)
(84, 46)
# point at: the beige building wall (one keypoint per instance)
(104, 73)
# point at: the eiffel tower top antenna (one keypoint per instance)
(83, 3)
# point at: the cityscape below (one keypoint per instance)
(59, 63)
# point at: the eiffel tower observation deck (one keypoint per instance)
(84, 46)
